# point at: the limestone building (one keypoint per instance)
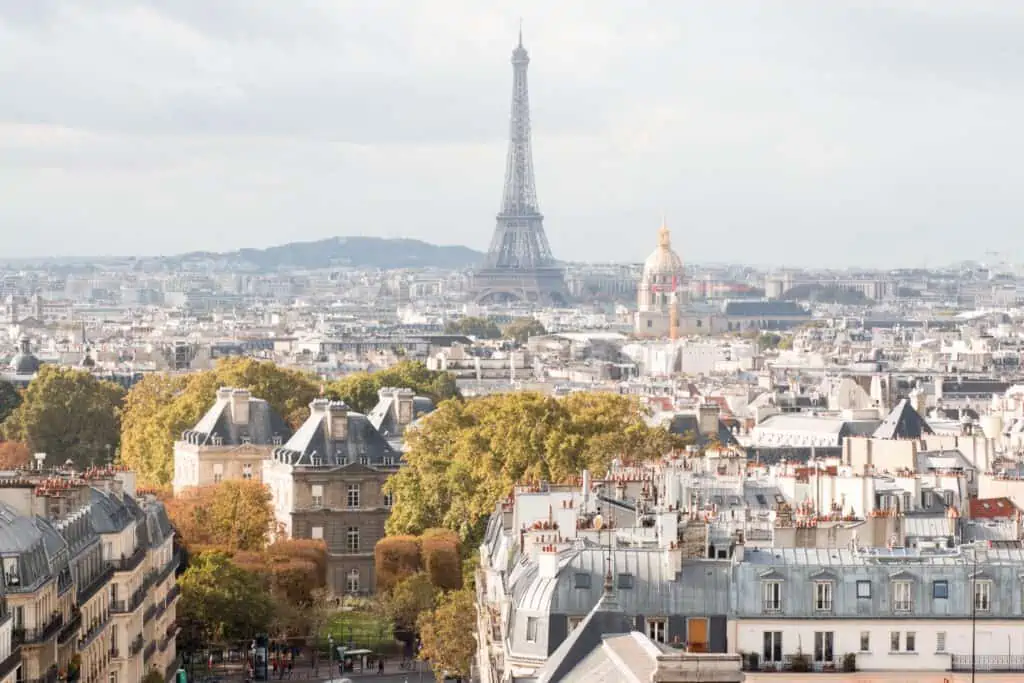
(231, 441)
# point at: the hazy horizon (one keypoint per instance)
(832, 134)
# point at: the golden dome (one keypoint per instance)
(663, 261)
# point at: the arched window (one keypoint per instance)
(352, 582)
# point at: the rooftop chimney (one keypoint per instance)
(337, 421)
(240, 406)
(707, 418)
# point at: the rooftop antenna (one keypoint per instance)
(520, 31)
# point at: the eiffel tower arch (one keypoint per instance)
(519, 266)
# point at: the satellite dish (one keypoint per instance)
(598, 522)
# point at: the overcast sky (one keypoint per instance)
(787, 133)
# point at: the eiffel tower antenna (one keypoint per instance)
(519, 265)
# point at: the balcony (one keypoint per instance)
(11, 663)
(771, 606)
(799, 664)
(989, 663)
(90, 634)
(101, 579)
(129, 605)
(150, 612)
(150, 650)
(129, 563)
(136, 646)
(70, 629)
(39, 634)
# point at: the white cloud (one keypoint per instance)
(818, 133)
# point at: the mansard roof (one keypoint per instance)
(263, 428)
(314, 443)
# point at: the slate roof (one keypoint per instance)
(384, 415)
(765, 309)
(684, 423)
(263, 426)
(362, 443)
(903, 423)
(20, 537)
(978, 388)
(606, 617)
(109, 514)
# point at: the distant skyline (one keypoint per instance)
(798, 133)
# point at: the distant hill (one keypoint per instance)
(356, 252)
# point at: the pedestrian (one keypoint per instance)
(380, 666)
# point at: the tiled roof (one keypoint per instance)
(992, 508)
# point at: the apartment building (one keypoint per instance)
(83, 559)
(230, 442)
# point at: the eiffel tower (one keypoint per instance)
(519, 265)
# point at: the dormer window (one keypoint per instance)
(982, 596)
(771, 594)
(11, 575)
(822, 596)
(388, 461)
(246, 441)
(277, 440)
(217, 440)
(902, 596)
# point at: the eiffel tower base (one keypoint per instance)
(541, 286)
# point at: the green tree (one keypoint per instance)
(221, 602)
(67, 413)
(481, 328)
(229, 516)
(153, 676)
(521, 329)
(447, 634)
(468, 455)
(768, 341)
(359, 389)
(160, 407)
(10, 399)
(409, 598)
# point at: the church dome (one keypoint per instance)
(25, 362)
(663, 261)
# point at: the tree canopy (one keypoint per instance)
(359, 389)
(467, 455)
(221, 602)
(229, 516)
(436, 552)
(9, 399)
(481, 328)
(68, 414)
(14, 455)
(160, 407)
(521, 329)
(447, 634)
(409, 598)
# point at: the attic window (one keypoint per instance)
(277, 440)
(761, 500)
(582, 580)
(625, 581)
(218, 440)
(388, 460)
(246, 440)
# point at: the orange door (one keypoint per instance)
(697, 634)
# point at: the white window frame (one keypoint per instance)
(352, 533)
(865, 641)
(940, 641)
(982, 596)
(771, 596)
(824, 643)
(894, 641)
(910, 641)
(316, 533)
(902, 596)
(771, 641)
(531, 629)
(354, 496)
(822, 596)
(352, 581)
(657, 629)
(247, 471)
(316, 495)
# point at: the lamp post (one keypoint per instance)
(330, 653)
(974, 614)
